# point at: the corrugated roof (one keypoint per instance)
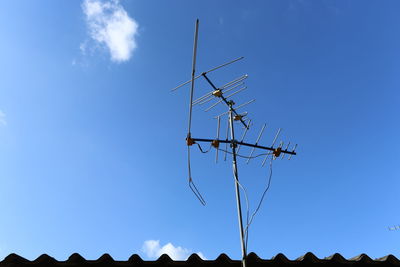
(76, 260)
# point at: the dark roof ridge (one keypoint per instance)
(389, 258)
(14, 258)
(337, 257)
(164, 258)
(194, 258)
(253, 257)
(280, 257)
(45, 259)
(75, 258)
(308, 257)
(135, 258)
(223, 258)
(362, 258)
(105, 258)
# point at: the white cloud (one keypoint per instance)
(3, 118)
(153, 250)
(110, 25)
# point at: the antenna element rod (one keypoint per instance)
(198, 76)
(256, 143)
(196, 33)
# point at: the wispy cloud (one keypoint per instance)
(153, 250)
(3, 118)
(110, 25)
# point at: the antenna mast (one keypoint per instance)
(218, 93)
(236, 176)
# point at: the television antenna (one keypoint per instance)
(220, 94)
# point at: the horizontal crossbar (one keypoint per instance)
(243, 144)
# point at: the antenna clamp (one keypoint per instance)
(215, 143)
(277, 152)
(189, 140)
(234, 143)
(217, 93)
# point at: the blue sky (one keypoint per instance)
(92, 151)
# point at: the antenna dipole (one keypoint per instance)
(217, 94)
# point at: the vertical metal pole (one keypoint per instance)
(196, 34)
(236, 176)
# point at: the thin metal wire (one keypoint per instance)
(192, 186)
(204, 151)
(247, 209)
(246, 157)
(261, 200)
(197, 192)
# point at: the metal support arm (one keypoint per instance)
(225, 100)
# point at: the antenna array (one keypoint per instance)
(223, 96)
